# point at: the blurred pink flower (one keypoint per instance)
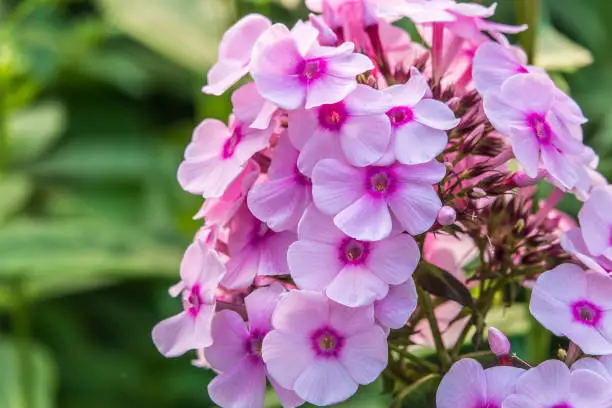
(363, 199)
(351, 272)
(323, 350)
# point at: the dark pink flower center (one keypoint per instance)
(253, 343)
(538, 125)
(229, 147)
(521, 70)
(312, 69)
(194, 300)
(562, 405)
(353, 251)
(610, 236)
(487, 404)
(587, 313)
(332, 117)
(400, 115)
(379, 180)
(327, 342)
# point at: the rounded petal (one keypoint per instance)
(493, 64)
(348, 321)
(318, 227)
(464, 386)
(286, 356)
(243, 385)
(548, 383)
(313, 265)
(501, 113)
(328, 89)
(364, 139)
(273, 253)
(335, 186)
(223, 75)
(259, 306)
(287, 398)
(526, 148)
(435, 114)
(431, 172)
(301, 313)
(529, 92)
(325, 382)
(229, 334)
(416, 143)
(394, 259)
(410, 93)
(367, 219)
(396, 308)
(416, 207)
(501, 382)
(365, 355)
(241, 269)
(178, 334)
(356, 286)
(321, 145)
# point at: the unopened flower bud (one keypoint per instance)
(500, 346)
(477, 192)
(446, 216)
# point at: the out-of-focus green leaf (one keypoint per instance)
(41, 371)
(556, 52)
(76, 249)
(186, 31)
(440, 283)
(421, 394)
(16, 190)
(33, 130)
(512, 320)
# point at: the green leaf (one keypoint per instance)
(41, 371)
(421, 394)
(186, 31)
(440, 283)
(556, 52)
(16, 190)
(33, 130)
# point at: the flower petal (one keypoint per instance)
(243, 385)
(325, 382)
(356, 286)
(367, 219)
(229, 334)
(394, 259)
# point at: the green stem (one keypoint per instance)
(443, 356)
(4, 139)
(528, 12)
(421, 362)
(21, 330)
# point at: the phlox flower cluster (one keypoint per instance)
(357, 161)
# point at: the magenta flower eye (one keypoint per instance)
(400, 115)
(587, 313)
(327, 342)
(380, 182)
(232, 142)
(312, 69)
(540, 128)
(354, 251)
(332, 117)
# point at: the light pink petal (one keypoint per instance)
(435, 114)
(237, 42)
(318, 227)
(349, 321)
(321, 145)
(366, 101)
(501, 382)
(302, 125)
(287, 398)
(567, 283)
(313, 265)
(430, 172)
(396, 308)
(410, 93)
(328, 89)
(589, 389)
(229, 334)
(416, 143)
(286, 356)
(548, 383)
(559, 166)
(493, 64)
(473, 10)
(280, 203)
(526, 148)
(178, 334)
(520, 401)
(502, 113)
(273, 259)
(286, 91)
(285, 159)
(364, 355)
(595, 220)
(464, 386)
(208, 178)
(349, 65)
(253, 140)
(325, 382)
(599, 290)
(356, 286)
(223, 75)
(594, 365)
(241, 269)
(367, 219)
(301, 313)
(335, 186)
(305, 36)
(247, 103)
(394, 259)
(416, 207)
(259, 306)
(529, 92)
(243, 385)
(365, 139)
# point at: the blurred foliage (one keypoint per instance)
(97, 102)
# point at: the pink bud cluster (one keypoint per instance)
(348, 160)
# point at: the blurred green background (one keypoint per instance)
(98, 99)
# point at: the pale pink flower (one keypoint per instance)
(418, 124)
(573, 243)
(601, 366)
(235, 53)
(356, 129)
(349, 271)
(236, 353)
(281, 200)
(553, 385)
(577, 304)
(394, 310)
(468, 385)
(251, 108)
(363, 199)
(327, 36)
(522, 110)
(596, 222)
(254, 249)
(293, 69)
(322, 350)
(218, 154)
(201, 271)
(220, 210)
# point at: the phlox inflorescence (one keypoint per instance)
(357, 161)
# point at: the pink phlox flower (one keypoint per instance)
(573, 243)
(522, 110)
(254, 249)
(433, 11)
(236, 353)
(571, 302)
(394, 310)
(468, 385)
(218, 154)
(251, 108)
(281, 200)
(235, 53)
(292, 69)
(418, 124)
(552, 384)
(498, 342)
(220, 210)
(596, 222)
(362, 200)
(355, 129)
(601, 366)
(323, 350)
(351, 272)
(201, 271)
